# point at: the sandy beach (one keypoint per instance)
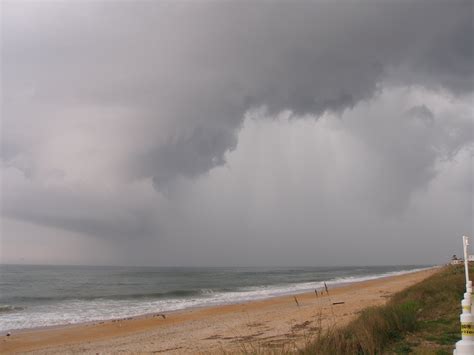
(269, 323)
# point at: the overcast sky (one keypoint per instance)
(232, 133)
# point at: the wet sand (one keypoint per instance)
(256, 325)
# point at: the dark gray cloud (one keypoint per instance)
(76, 208)
(421, 113)
(199, 67)
(101, 96)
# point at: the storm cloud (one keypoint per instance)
(117, 117)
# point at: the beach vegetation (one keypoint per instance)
(422, 319)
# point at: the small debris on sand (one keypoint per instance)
(296, 300)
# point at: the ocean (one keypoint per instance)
(36, 296)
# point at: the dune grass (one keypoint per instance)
(422, 319)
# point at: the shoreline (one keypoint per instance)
(277, 319)
(333, 284)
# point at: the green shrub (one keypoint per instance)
(430, 309)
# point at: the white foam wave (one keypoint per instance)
(80, 311)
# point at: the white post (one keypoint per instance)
(465, 346)
(465, 243)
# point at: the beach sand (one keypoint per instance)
(249, 326)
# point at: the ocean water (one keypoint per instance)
(35, 296)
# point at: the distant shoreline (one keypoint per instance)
(213, 326)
